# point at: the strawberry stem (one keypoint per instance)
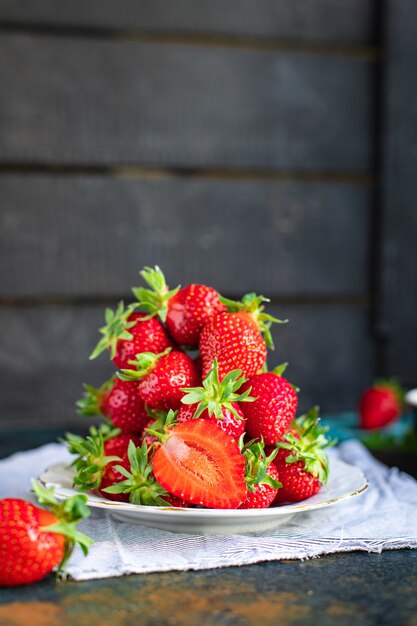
(154, 300)
(144, 363)
(116, 327)
(69, 513)
(140, 483)
(215, 395)
(253, 304)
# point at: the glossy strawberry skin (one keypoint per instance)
(161, 388)
(235, 341)
(27, 554)
(124, 407)
(117, 446)
(297, 483)
(232, 425)
(274, 408)
(149, 335)
(378, 407)
(264, 495)
(189, 310)
(201, 464)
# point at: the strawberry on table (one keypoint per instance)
(118, 401)
(127, 333)
(161, 377)
(33, 540)
(381, 404)
(217, 401)
(185, 311)
(262, 477)
(199, 462)
(301, 460)
(274, 408)
(235, 338)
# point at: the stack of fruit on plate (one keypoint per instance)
(192, 417)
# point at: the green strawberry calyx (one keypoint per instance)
(163, 424)
(215, 395)
(139, 482)
(308, 444)
(117, 327)
(143, 364)
(154, 300)
(90, 404)
(69, 512)
(254, 304)
(257, 463)
(91, 460)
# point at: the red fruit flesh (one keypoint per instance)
(264, 495)
(161, 388)
(189, 310)
(297, 483)
(148, 336)
(201, 464)
(27, 553)
(235, 341)
(378, 407)
(232, 425)
(274, 409)
(124, 407)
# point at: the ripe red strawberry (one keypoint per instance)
(381, 404)
(235, 338)
(127, 333)
(161, 378)
(33, 541)
(274, 408)
(262, 477)
(217, 401)
(97, 454)
(198, 462)
(118, 401)
(301, 461)
(185, 311)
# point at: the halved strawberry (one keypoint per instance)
(161, 377)
(127, 333)
(185, 311)
(200, 463)
(217, 401)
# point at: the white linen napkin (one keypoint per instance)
(383, 517)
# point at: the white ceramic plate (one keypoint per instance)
(345, 481)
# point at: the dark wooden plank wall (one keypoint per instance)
(397, 319)
(232, 143)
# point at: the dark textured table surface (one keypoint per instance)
(354, 589)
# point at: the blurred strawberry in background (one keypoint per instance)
(381, 404)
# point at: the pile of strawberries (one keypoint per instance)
(192, 415)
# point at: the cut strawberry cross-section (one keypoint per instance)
(199, 462)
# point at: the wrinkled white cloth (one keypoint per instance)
(383, 517)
